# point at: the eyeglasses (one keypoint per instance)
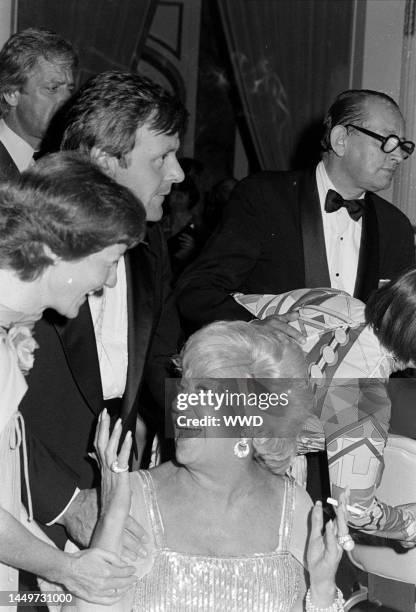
(388, 143)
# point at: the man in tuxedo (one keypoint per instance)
(117, 352)
(36, 78)
(320, 228)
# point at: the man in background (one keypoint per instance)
(325, 227)
(36, 78)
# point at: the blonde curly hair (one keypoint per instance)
(241, 350)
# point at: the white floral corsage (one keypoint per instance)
(24, 344)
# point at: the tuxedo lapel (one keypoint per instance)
(78, 341)
(314, 251)
(368, 261)
(140, 273)
(8, 169)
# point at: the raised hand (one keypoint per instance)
(116, 530)
(115, 481)
(324, 554)
(280, 323)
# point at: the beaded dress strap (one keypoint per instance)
(152, 507)
(288, 515)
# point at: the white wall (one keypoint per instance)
(6, 19)
(382, 53)
(383, 46)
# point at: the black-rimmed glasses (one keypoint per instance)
(388, 143)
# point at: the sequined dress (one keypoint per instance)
(183, 582)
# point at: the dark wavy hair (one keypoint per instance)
(107, 111)
(349, 107)
(21, 52)
(69, 205)
(391, 313)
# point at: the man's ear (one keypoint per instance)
(108, 163)
(339, 139)
(12, 98)
(49, 253)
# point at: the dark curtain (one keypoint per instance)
(290, 59)
(108, 34)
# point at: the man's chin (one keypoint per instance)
(154, 214)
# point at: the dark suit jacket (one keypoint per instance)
(64, 397)
(271, 240)
(8, 169)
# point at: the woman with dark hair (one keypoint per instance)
(391, 313)
(63, 227)
(228, 529)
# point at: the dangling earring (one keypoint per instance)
(242, 448)
(69, 281)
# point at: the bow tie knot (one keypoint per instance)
(334, 201)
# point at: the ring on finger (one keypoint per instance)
(346, 542)
(117, 469)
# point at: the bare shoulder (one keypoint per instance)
(163, 474)
(301, 524)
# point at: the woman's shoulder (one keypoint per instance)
(140, 510)
(9, 357)
(303, 501)
(145, 485)
(300, 528)
(12, 383)
(8, 361)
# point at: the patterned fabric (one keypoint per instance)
(348, 369)
(182, 582)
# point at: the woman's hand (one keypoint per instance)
(281, 323)
(324, 553)
(98, 576)
(115, 485)
(116, 530)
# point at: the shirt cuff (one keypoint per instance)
(56, 519)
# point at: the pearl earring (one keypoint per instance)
(69, 281)
(242, 448)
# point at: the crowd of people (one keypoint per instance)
(298, 285)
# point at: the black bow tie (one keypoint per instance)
(334, 202)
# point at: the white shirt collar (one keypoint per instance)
(324, 184)
(20, 151)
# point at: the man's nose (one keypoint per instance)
(176, 174)
(398, 155)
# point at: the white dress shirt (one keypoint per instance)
(19, 150)
(342, 238)
(109, 316)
